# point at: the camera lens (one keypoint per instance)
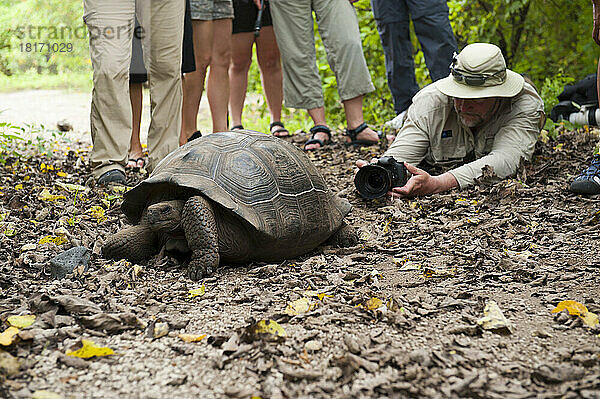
(372, 181)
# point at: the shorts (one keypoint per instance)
(245, 12)
(137, 69)
(209, 10)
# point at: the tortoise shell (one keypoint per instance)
(265, 180)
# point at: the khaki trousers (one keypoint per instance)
(338, 26)
(110, 24)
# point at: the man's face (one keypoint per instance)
(475, 111)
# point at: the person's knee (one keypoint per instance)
(164, 69)
(269, 64)
(202, 61)
(106, 71)
(221, 59)
(240, 64)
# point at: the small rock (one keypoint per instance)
(421, 357)
(113, 322)
(66, 262)
(9, 365)
(541, 334)
(44, 394)
(64, 125)
(62, 321)
(177, 380)
(585, 360)
(356, 345)
(465, 329)
(313, 345)
(42, 214)
(556, 374)
(179, 324)
(72, 361)
(28, 247)
(160, 330)
(562, 317)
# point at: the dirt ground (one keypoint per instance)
(526, 243)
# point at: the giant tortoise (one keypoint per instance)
(231, 196)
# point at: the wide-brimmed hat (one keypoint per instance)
(480, 71)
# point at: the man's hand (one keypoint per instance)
(257, 3)
(361, 162)
(422, 183)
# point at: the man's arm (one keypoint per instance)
(512, 142)
(411, 143)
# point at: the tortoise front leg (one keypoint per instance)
(134, 243)
(198, 222)
(345, 236)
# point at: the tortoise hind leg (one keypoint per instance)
(345, 236)
(134, 243)
(198, 222)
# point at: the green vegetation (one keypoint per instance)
(25, 141)
(549, 40)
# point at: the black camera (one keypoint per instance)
(375, 180)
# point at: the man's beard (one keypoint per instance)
(472, 120)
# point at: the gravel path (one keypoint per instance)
(47, 107)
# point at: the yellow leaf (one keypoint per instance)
(73, 188)
(98, 213)
(373, 303)
(46, 196)
(269, 327)
(45, 395)
(299, 306)
(61, 174)
(90, 349)
(590, 319)
(319, 295)
(573, 307)
(58, 240)
(8, 336)
(197, 292)
(191, 337)
(21, 321)
(19, 187)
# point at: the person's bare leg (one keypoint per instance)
(270, 70)
(354, 118)
(193, 82)
(598, 81)
(241, 58)
(217, 87)
(135, 146)
(318, 117)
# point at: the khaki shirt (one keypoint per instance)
(433, 132)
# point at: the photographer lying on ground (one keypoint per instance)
(481, 114)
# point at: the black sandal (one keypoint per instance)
(318, 129)
(352, 133)
(194, 136)
(237, 127)
(280, 130)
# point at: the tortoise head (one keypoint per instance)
(165, 216)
